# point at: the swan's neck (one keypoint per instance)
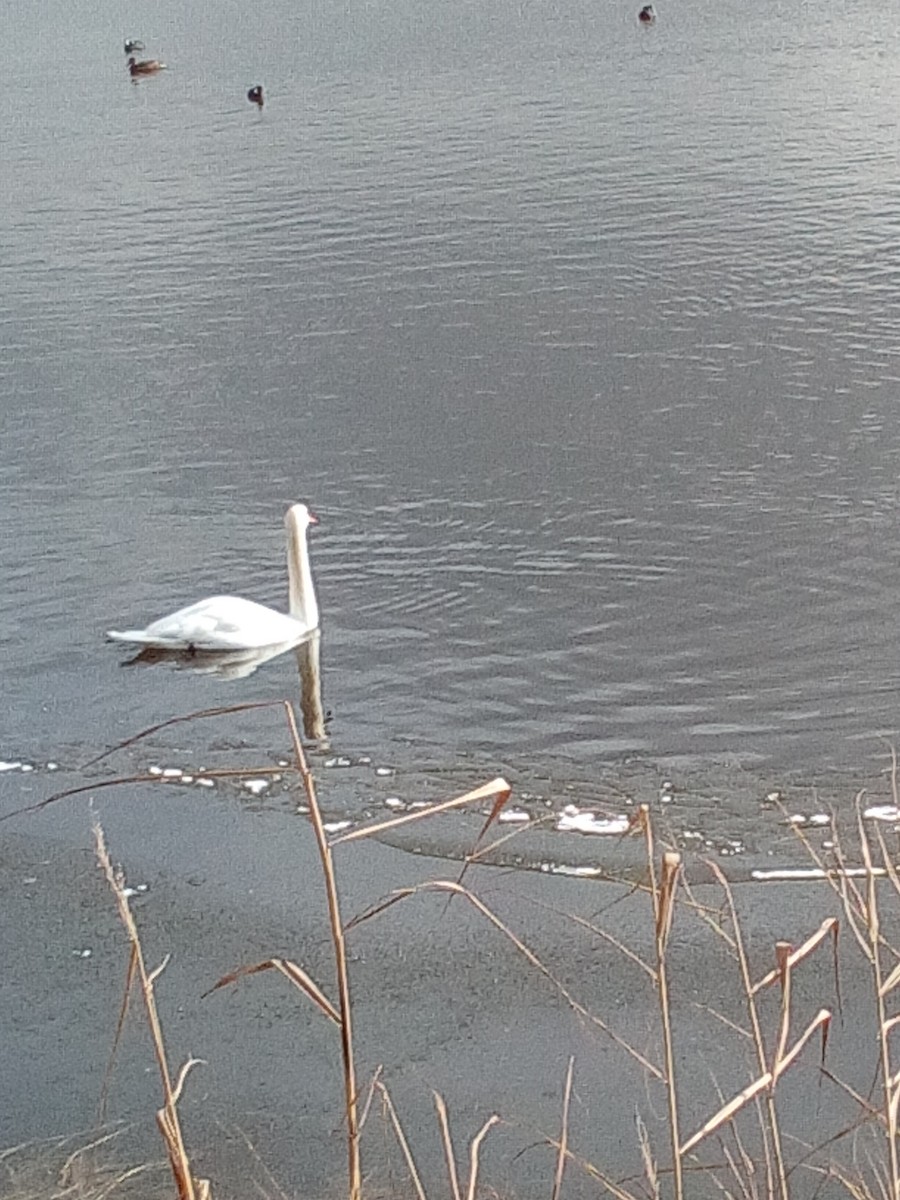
(302, 594)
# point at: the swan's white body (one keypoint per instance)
(233, 623)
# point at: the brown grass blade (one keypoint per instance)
(401, 1140)
(291, 971)
(822, 1020)
(124, 1005)
(339, 947)
(85, 787)
(616, 1190)
(564, 1132)
(475, 1154)
(828, 928)
(451, 887)
(200, 715)
(728, 1111)
(447, 1142)
(496, 808)
(495, 787)
(379, 907)
(651, 1173)
(167, 1116)
(664, 894)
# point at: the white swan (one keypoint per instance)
(233, 623)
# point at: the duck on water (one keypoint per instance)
(145, 66)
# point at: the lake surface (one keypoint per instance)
(581, 338)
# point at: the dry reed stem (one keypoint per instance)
(475, 1154)
(651, 1172)
(478, 853)
(728, 1111)
(613, 941)
(167, 1116)
(563, 1132)
(447, 1142)
(78, 1177)
(771, 1127)
(117, 1037)
(200, 715)
(402, 1140)
(274, 1185)
(663, 895)
(497, 787)
(298, 977)
(453, 888)
(615, 1189)
(891, 1090)
(830, 927)
(354, 1168)
(450, 1153)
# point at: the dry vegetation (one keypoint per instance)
(740, 1148)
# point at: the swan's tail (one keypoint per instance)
(137, 636)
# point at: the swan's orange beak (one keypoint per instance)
(313, 519)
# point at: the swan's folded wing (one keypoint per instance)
(217, 623)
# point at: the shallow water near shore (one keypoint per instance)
(577, 335)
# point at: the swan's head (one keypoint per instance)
(300, 517)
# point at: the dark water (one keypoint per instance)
(581, 338)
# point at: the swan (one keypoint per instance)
(233, 623)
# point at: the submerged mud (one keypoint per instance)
(753, 825)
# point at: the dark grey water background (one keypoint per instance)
(582, 339)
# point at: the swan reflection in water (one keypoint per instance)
(238, 664)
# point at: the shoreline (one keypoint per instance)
(440, 1000)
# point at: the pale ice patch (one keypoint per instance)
(514, 815)
(575, 820)
(256, 786)
(883, 812)
(787, 874)
(336, 826)
(567, 869)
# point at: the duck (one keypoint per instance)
(647, 15)
(132, 46)
(146, 66)
(233, 623)
(255, 95)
